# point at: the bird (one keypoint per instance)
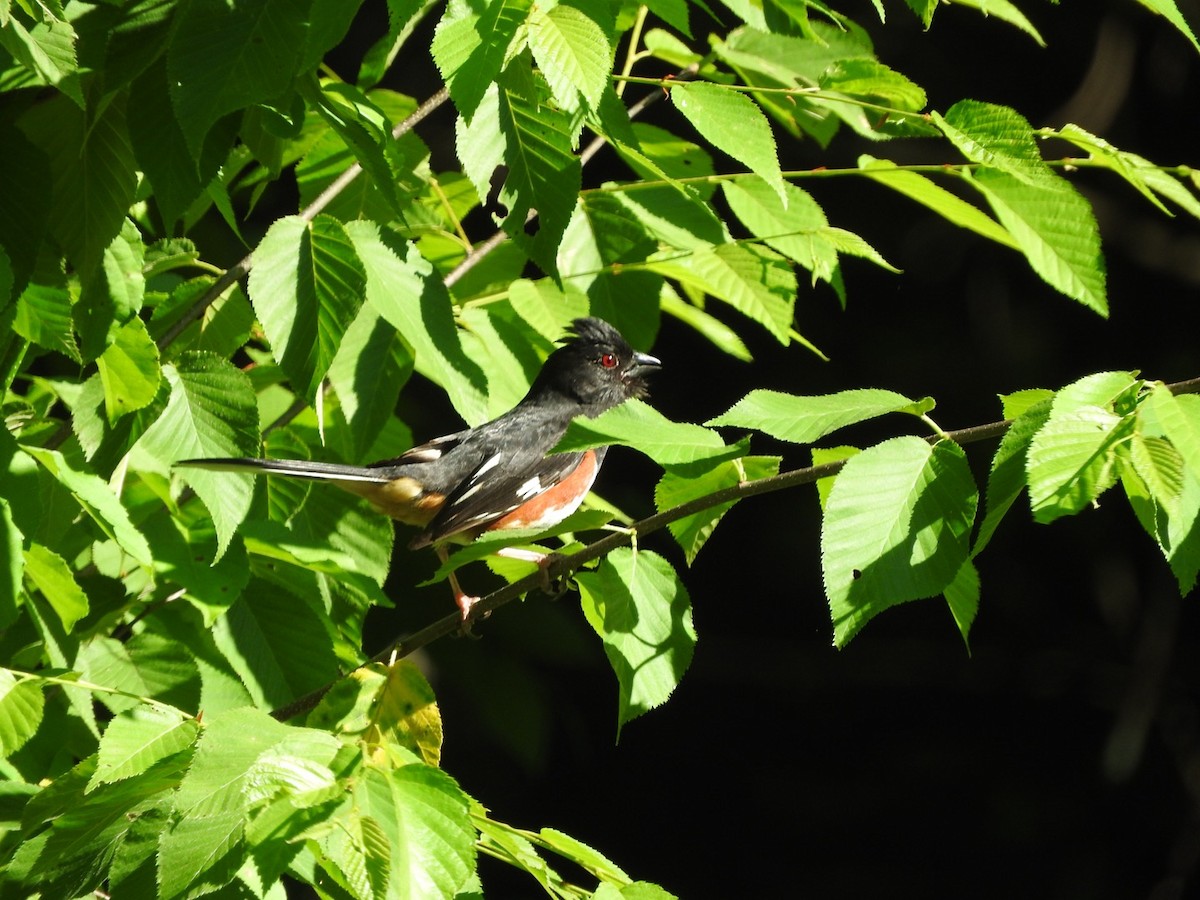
(501, 474)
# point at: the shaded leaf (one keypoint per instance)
(223, 58)
(212, 412)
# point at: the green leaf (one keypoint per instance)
(995, 136)
(1180, 540)
(1001, 9)
(137, 739)
(328, 22)
(543, 172)
(47, 50)
(212, 412)
(518, 851)
(1139, 172)
(278, 646)
(93, 174)
(161, 148)
(1160, 467)
(753, 280)
(1006, 478)
(803, 420)
(52, 576)
(470, 49)
(223, 58)
(547, 307)
(111, 296)
(705, 324)
(363, 127)
(1115, 391)
(403, 18)
(732, 123)
(98, 500)
(896, 528)
(949, 206)
(677, 218)
(1018, 403)
(370, 367)
(590, 859)
(21, 707)
(642, 612)
(875, 82)
(385, 706)
(1072, 460)
(183, 555)
(573, 53)
(1179, 419)
(307, 285)
(675, 488)
(425, 817)
(638, 425)
(11, 540)
(1169, 10)
(1055, 229)
(44, 318)
(962, 596)
(796, 229)
(402, 287)
(129, 370)
(243, 757)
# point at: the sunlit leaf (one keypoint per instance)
(896, 528)
(803, 420)
(641, 610)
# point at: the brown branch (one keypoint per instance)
(561, 566)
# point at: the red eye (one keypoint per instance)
(608, 360)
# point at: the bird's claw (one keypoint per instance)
(466, 605)
(553, 587)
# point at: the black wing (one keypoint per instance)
(495, 489)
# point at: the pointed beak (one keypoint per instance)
(643, 362)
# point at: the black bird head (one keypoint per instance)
(595, 367)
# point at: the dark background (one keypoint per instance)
(1061, 756)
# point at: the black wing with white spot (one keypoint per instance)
(490, 494)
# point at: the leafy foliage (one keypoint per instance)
(152, 623)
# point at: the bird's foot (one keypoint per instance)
(552, 586)
(466, 604)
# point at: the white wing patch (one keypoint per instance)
(531, 488)
(488, 465)
(477, 482)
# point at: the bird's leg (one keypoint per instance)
(462, 599)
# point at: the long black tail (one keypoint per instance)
(293, 468)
